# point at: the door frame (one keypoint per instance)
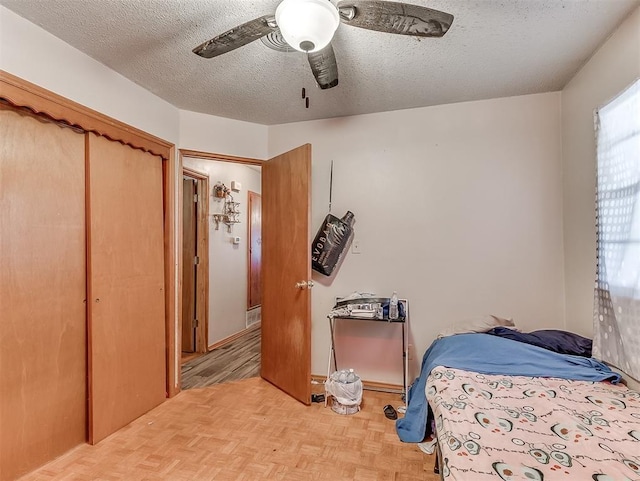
(188, 294)
(202, 251)
(251, 200)
(182, 170)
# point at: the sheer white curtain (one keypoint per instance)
(617, 290)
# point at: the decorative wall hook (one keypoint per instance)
(230, 212)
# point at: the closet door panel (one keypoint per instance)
(126, 282)
(42, 292)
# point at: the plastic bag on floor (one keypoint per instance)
(345, 389)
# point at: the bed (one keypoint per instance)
(503, 409)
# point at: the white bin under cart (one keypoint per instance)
(403, 320)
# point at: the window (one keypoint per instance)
(617, 290)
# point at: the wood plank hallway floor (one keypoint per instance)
(240, 359)
(248, 431)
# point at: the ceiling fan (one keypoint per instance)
(309, 25)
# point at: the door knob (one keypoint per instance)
(304, 284)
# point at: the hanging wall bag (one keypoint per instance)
(331, 242)
(332, 239)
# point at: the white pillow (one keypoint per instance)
(482, 324)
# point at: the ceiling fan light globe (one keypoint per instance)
(307, 25)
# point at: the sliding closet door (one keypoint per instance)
(42, 292)
(126, 282)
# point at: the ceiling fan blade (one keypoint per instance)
(394, 17)
(237, 37)
(324, 67)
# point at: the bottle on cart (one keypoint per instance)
(393, 306)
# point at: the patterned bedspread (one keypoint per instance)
(531, 428)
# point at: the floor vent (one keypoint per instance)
(253, 316)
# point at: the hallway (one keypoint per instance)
(240, 359)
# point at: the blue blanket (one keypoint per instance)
(491, 355)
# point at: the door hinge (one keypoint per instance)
(195, 198)
(196, 260)
(195, 323)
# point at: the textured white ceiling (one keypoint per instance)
(495, 48)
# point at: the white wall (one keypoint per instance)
(474, 187)
(614, 66)
(33, 54)
(228, 263)
(208, 133)
(458, 208)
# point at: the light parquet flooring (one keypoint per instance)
(248, 431)
(240, 359)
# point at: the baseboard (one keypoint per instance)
(369, 385)
(233, 337)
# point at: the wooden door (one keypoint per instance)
(255, 251)
(189, 236)
(286, 260)
(42, 292)
(125, 289)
